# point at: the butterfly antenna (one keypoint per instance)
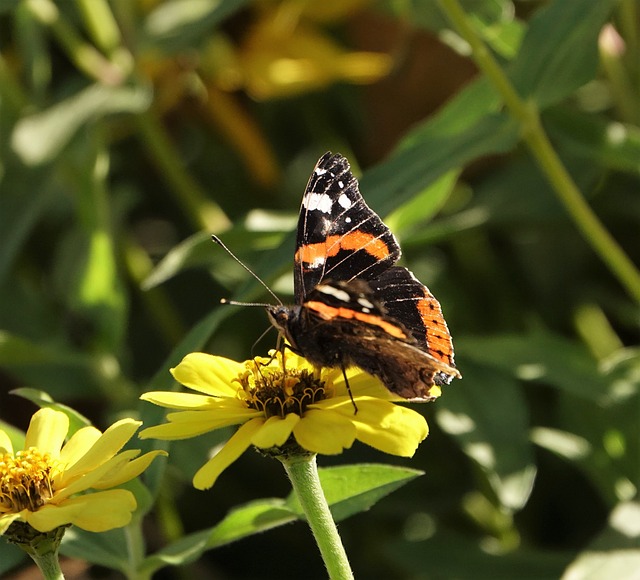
(218, 241)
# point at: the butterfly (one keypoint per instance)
(353, 305)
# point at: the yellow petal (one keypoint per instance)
(5, 443)
(47, 431)
(390, 428)
(94, 512)
(111, 441)
(178, 400)
(81, 441)
(275, 431)
(234, 448)
(6, 520)
(196, 423)
(129, 471)
(208, 374)
(324, 432)
(68, 486)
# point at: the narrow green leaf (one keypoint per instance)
(424, 205)
(43, 399)
(40, 137)
(559, 52)
(181, 23)
(433, 152)
(351, 489)
(252, 518)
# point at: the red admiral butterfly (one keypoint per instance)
(353, 305)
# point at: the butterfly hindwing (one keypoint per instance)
(405, 298)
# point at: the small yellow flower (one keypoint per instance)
(40, 485)
(299, 407)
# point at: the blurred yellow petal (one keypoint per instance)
(129, 471)
(95, 512)
(68, 485)
(208, 374)
(6, 520)
(109, 443)
(234, 448)
(47, 431)
(81, 441)
(5, 443)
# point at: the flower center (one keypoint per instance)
(277, 393)
(26, 480)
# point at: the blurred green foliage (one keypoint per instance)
(131, 130)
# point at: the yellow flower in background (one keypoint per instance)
(280, 410)
(288, 50)
(43, 484)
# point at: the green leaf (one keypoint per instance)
(454, 555)
(10, 556)
(109, 549)
(38, 138)
(182, 23)
(55, 370)
(424, 205)
(559, 52)
(252, 518)
(489, 419)
(603, 142)
(433, 152)
(348, 489)
(43, 399)
(616, 551)
(549, 358)
(199, 251)
(351, 489)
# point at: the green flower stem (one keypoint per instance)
(547, 159)
(303, 473)
(43, 549)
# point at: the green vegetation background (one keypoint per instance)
(132, 130)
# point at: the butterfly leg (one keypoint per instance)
(346, 382)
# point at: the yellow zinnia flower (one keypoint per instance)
(298, 408)
(39, 485)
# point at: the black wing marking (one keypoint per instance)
(339, 236)
(409, 301)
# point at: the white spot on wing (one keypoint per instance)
(347, 220)
(365, 303)
(344, 201)
(340, 184)
(318, 201)
(320, 171)
(335, 292)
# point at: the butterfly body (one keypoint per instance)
(354, 307)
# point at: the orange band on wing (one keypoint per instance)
(356, 240)
(330, 313)
(437, 335)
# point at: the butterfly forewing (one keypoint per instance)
(339, 237)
